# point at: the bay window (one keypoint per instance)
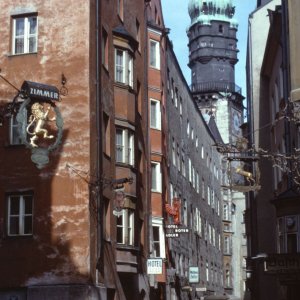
(123, 67)
(125, 227)
(158, 238)
(124, 146)
(154, 54)
(156, 177)
(155, 114)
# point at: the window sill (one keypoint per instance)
(21, 54)
(14, 146)
(125, 165)
(124, 86)
(127, 248)
(155, 191)
(154, 68)
(18, 237)
(154, 128)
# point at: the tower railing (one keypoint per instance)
(216, 86)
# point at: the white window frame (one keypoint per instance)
(157, 178)
(124, 68)
(158, 222)
(154, 55)
(156, 113)
(26, 36)
(14, 136)
(127, 227)
(126, 146)
(190, 170)
(21, 216)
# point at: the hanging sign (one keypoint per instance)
(194, 275)
(39, 91)
(154, 266)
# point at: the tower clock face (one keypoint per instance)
(236, 122)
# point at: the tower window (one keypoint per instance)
(221, 29)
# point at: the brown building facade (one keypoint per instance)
(81, 219)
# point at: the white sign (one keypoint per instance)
(194, 275)
(154, 266)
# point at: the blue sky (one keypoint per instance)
(176, 18)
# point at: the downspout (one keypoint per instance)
(99, 144)
(286, 80)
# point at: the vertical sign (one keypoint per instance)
(194, 275)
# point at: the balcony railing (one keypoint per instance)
(216, 86)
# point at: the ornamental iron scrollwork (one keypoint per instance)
(33, 130)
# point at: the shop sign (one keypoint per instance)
(154, 266)
(194, 275)
(35, 90)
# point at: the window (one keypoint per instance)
(20, 213)
(106, 139)
(24, 35)
(183, 164)
(123, 67)
(176, 97)
(289, 234)
(203, 189)
(125, 227)
(154, 54)
(227, 245)
(14, 136)
(158, 238)
(124, 146)
(178, 158)
(197, 182)
(120, 8)
(226, 212)
(173, 152)
(190, 170)
(156, 177)
(180, 109)
(138, 34)
(104, 48)
(185, 212)
(207, 272)
(220, 28)
(155, 114)
(188, 128)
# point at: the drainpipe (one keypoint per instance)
(286, 79)
(99, 144)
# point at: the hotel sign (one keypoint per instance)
(194, 275)
(40, 91)
(154, 266)
(282, 263)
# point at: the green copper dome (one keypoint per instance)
(205, 11)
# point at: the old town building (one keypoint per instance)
(273, 211)
(195, 174)
(75, 227)
(110, 177)
(212, 58)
